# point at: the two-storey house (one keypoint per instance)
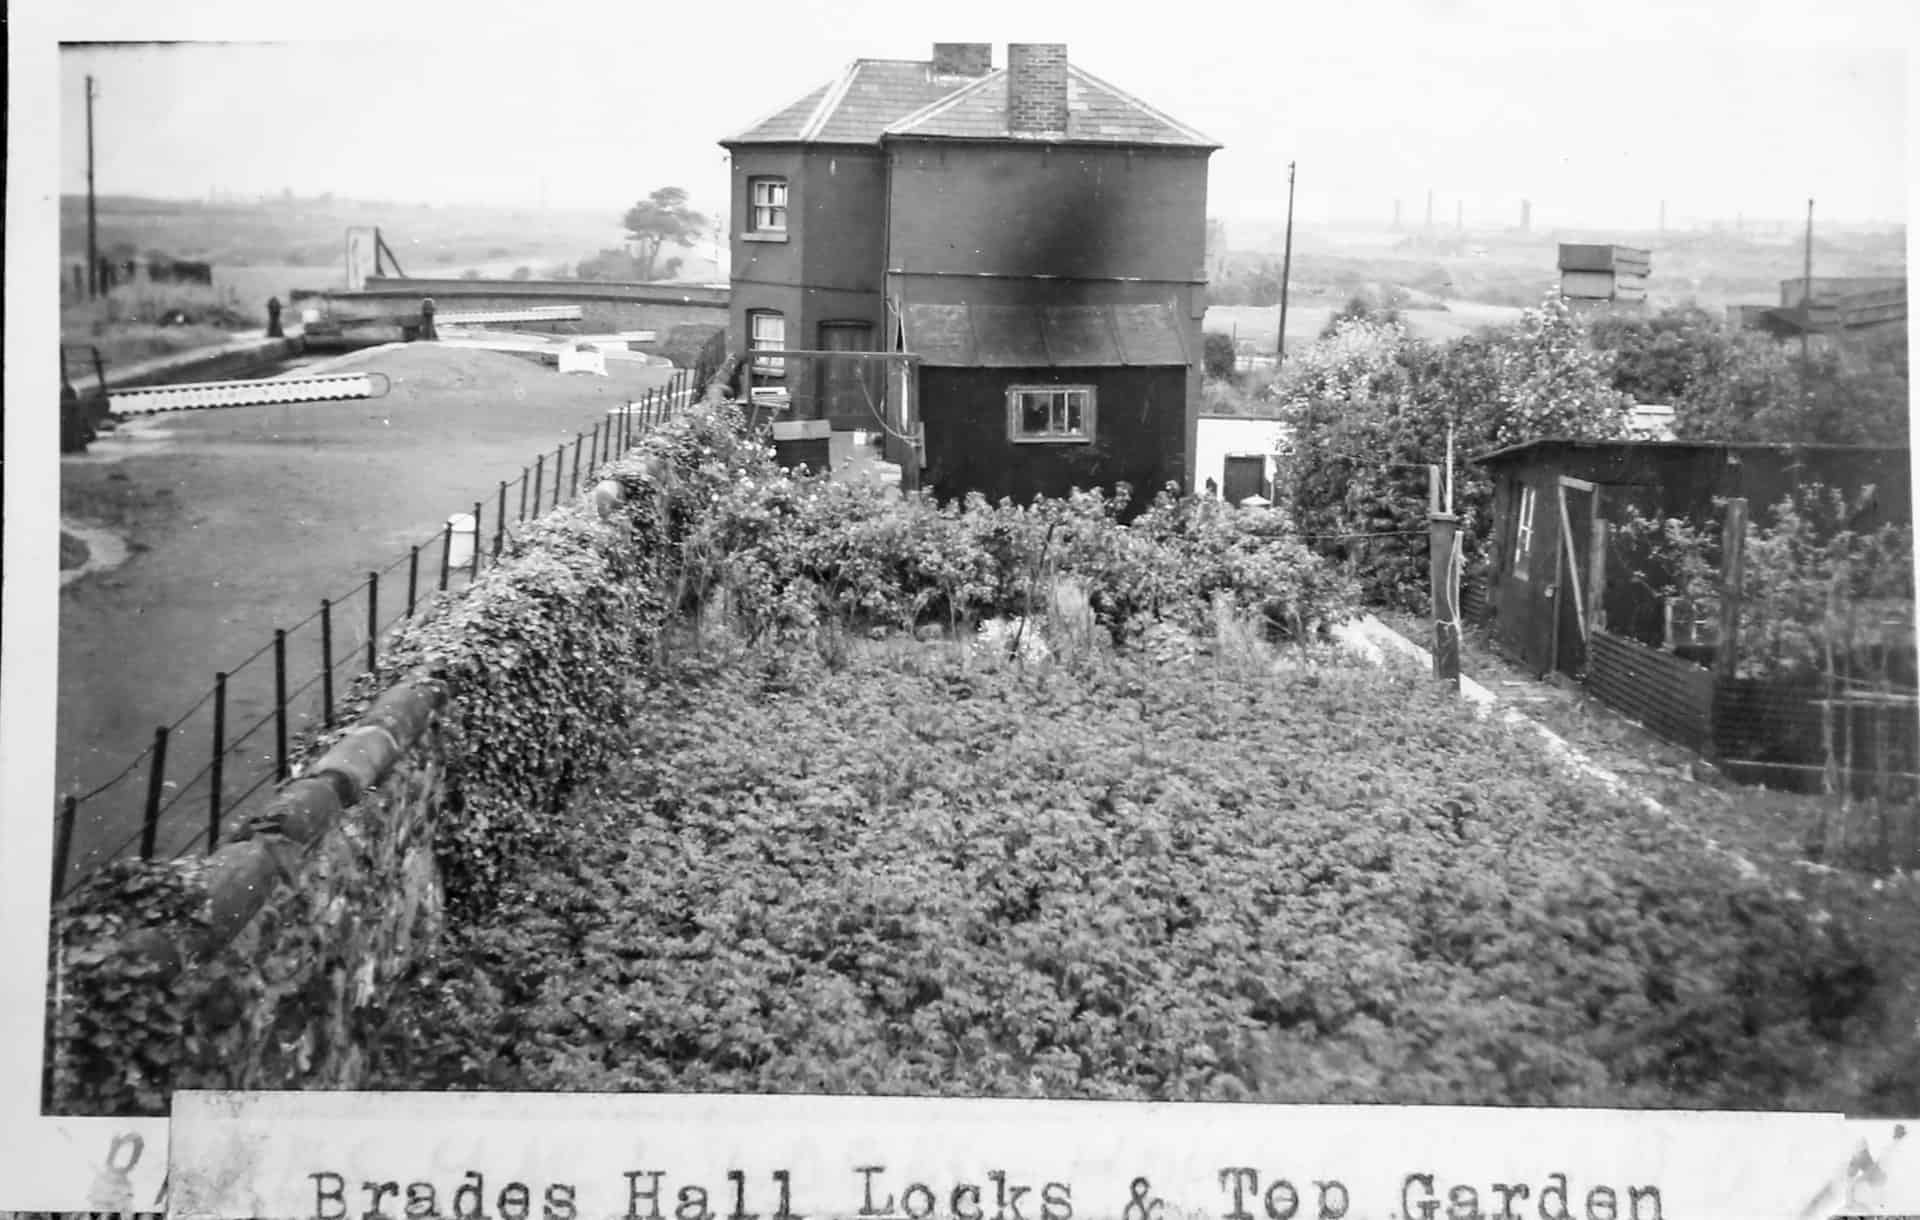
(1035, 236)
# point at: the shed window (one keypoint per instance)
(1523, 533)
(767, 331)
(769, 205)
(1046, 413)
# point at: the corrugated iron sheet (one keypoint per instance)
(1036, 336)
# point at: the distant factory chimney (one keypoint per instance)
(1037, 88)
(1396, 214)
(1429, 210)
(962, 58)
(1526, 215)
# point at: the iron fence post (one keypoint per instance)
(574, 488)
(475, 574)
(413, 576)
(559, 468)
(539, 478)
(156, 779)
(446, 553)
(218, 767)
(500, 523)
(523, 493)
(373, 619)
(280, 704)
(326, 663)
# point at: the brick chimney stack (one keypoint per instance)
(1037, 88)
(962, 58)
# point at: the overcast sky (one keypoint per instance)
(1594, 111)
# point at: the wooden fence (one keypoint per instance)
(1670, 695)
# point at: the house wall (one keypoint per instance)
(1052, 224)
(1139, 430)
(829, 268)
(1046, 209)
(1217, 438)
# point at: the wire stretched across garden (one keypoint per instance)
(351, 630)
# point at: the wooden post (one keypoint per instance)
(1444, 579)
(1733, 574)
(1597, 568)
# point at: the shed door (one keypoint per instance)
(1576, 574)
(848, 386)
(1246, 475)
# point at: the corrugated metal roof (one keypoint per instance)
(1520, 449)
(855, 107)
(1096, 112)
(873, 97)
(1044, 336)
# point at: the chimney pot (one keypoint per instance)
(962, 58)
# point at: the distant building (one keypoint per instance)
(1034, 234)
(1604, 276)
(1837, 305)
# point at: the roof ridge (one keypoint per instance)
(830, 102)
(939, 106)
(1189, 132)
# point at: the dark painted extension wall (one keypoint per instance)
(1104, 225)
(1059, 210)
(1139, 427)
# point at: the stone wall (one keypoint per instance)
(268, 964)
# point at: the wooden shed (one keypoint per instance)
(1556, 572)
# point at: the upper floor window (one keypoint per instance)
(768, 200)
(1050, 413)
(767, 331)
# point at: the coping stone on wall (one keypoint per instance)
(246, 871)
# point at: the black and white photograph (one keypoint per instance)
(1345, 557)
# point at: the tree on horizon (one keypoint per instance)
(662, 217)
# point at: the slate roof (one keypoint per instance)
(855, 107)
(1044, 336)
(1096, 112)
(905, 97)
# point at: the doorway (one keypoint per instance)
(850, 390)
(1245, 475)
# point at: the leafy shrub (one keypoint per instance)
(1123, 881)
(1371, 407)
(788, 553)
(1219, 358)
(1731, 384)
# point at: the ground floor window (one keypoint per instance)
(1050, 413)
(767, 331)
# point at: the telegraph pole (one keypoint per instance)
(1806, 301)
(93, 232)
(1286, 275)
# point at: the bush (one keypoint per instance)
(1371, 407)
(791, 553)
(1219, 359)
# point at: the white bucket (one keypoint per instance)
(579, 359)
(460, 552)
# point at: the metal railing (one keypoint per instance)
(256, 711)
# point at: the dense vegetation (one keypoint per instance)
(928, 869)
(1151, 860)
(1729, 384)
(1371, 407)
